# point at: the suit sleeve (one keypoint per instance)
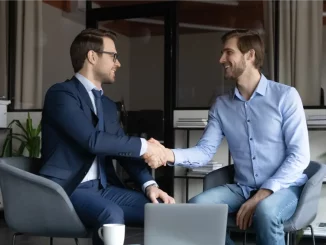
(136, 168)
(62, 110)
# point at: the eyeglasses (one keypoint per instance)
(114, 55)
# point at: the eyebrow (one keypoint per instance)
(227, 49)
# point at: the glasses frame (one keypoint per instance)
(113, 54)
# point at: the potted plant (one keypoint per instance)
(29, 139)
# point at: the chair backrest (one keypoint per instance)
(36, 205)
(308, 203)
(221, 176)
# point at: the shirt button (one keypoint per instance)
(248, 120)
(256, 175)
(250, 139)
(254, 158)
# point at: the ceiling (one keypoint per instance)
(195, 16)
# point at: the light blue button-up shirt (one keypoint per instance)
(267, 137)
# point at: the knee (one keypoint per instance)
(265, 213)
(200, 198)
(111, 215)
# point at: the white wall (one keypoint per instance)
(59, 30)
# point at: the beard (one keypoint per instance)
(104, 77)
(236, 70)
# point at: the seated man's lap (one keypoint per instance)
(230, 194)
(111, 205)
(281, 204)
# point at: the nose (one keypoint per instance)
(117, 63)
(222, 59)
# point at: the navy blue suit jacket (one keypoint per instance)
(71, 140)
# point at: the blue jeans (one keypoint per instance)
(96, 206)
(270, 213)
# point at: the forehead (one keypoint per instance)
(231, 43)
(108, 45)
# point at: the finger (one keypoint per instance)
(165, 198)
(238, 216)
(152, 140)
(247, 220)
(153, 199)
(250, 220)
(172, 201)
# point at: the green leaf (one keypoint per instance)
(21, 135)
(6, 148)
(38, 130)
(21, 148)
(29, 138)
(29, 127)
(17, 138)
(21, 127)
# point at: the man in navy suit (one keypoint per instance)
(81, 136)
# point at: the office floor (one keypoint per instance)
(133, 236)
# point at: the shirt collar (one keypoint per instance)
(261, 88)
(89, 86)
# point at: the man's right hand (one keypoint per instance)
(155, 161)
(155, 155)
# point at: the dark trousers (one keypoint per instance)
(96, 206)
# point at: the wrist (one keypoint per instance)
(169, 155)
(154, 185)
(262, 194)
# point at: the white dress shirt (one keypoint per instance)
(93, 172)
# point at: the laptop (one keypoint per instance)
(185, 224)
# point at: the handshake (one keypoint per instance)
(157, 155)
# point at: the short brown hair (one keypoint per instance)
(248, 39)
(88, 39)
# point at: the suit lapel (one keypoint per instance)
(86, 99)
(106, 109)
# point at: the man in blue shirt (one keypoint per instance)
(265, 126)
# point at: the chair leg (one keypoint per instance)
(14, 237)
(294, 238)
(51, 240)
(287, 238)
(245, 238)
(312, 235)
(76, 241)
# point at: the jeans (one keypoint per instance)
(269, 215)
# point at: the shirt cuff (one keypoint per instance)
(272, 185)
(148, 183)
(178, 157)
(143, 148)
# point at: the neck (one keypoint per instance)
(248, 82)
(90, 76)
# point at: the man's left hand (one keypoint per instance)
(247, 210)
(153, 192)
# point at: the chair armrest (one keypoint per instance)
(36, 205)
(219, 177)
